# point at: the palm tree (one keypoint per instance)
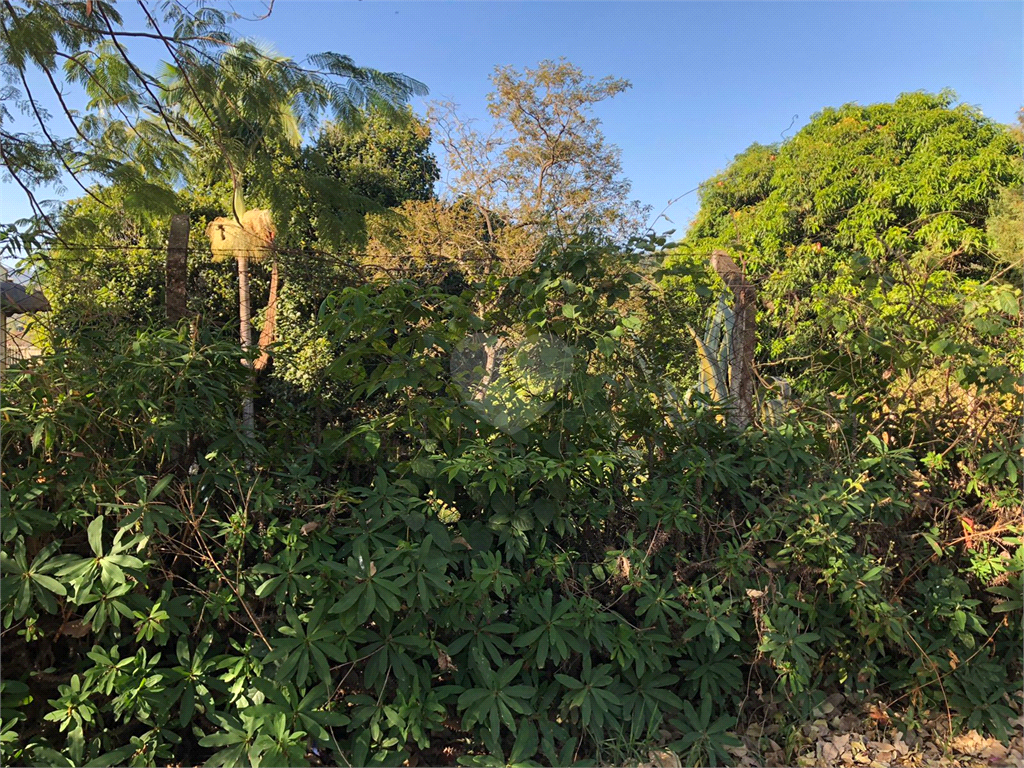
(248, 102)
(247, 236)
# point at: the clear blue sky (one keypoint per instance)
(709, 78)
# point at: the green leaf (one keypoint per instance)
(46, 582)
(95, 532)
(159, 487)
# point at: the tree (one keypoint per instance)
(1006, 214)
(141, 133)
(1004, 230)
(382, 160)
(320, 223)
(247, 105)
(544, 168)
(322, 220)
(833, 221)
(236, 120)
(885, 313)
(74, 43)
(431, 238)
(907, 180)
(220, 97)
(544, 174)
(326, 192)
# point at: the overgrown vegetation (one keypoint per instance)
(379, 570)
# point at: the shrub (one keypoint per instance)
(401, 579)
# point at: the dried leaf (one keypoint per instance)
(75, 628)
(623, 566)
(970, 743)
(993, 751)
(309, 527)
(841, 742)
(829, 754)
(879, 715)
(444, 662)
(899, 745)
(664, 759)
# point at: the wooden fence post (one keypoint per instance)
(3, 327)
(741, 357)
(176, 269)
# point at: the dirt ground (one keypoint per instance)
(864, 736)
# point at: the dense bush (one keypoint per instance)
(395, 578)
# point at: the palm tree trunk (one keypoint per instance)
(245, 335)
(244, 306)
(269, 332)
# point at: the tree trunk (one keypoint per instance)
(491, 367)
(244, 306)
(269, 333)
(176, 269)
(245, 335)
(244, 311)
(741, 357)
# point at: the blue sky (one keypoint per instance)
(709, 78)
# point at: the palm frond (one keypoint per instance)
(250, 238)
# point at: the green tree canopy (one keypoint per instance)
(863, 199)
(384, 161)
(114, 267)
(913, 178)
(134, 143)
